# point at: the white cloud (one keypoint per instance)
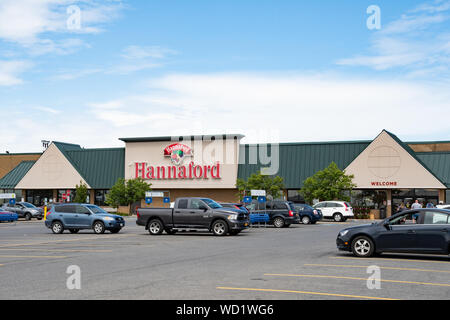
(416, 42)
(10, 71)
(290, 107)
(48, 110)
(28, 22)
(133, 59)
(311, 108)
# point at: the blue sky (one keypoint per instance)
(273, 70)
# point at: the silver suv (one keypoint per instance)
(25, 210)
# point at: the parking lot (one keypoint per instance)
(300, 262)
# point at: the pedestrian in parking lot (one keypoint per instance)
(416, 205)
(401, 207)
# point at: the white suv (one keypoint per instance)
(340, 211)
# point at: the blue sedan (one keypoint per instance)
(308, 215)
(6, 216)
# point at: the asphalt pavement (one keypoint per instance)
(300, 262)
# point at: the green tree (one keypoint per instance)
(125, 193)
(328, 184)
(81, 193)
(273, 185)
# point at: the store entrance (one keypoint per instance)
(39, 197)
(409, 196)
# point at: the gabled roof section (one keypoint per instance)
(101, 168)
(438, 162)
(11, 180)
(413, 154)
(299, 161)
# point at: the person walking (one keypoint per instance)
(416, 205)
(430, 205)
(401, 207)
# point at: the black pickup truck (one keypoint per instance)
(193, 214)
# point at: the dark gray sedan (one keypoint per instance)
(415, 231)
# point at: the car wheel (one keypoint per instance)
(28, 217)
(99, 227)
(74, 230)
(57, 227)
(278, 222)
(338, 217)
(115, 230)
(155, 227)
(363, 247)
(220, 228)
(306, 220)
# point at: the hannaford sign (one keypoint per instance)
(177, 152)
(191, 171)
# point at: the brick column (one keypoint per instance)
(389, 206)
(91, 196)
(442, 196)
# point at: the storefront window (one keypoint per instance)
(295, 196)
(409, 196)
(370, 199)
(39, 197)
(100, 197)
(65, 195)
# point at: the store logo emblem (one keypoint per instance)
(177, 152)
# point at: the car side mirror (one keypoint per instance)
(203, 207)
(387, 225)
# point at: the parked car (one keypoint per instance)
(75, 217)
(443, 206)
(339, 211)
(429, 234)
(281, 213)
(235, 206)
(308, 215)
(193, 214)
(25, 210)
(6, 216)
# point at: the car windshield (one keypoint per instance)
(96, 209)
(212, 204)
(28, 205)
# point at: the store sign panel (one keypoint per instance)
(177, 154)
(384, 183)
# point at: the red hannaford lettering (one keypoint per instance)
(192, 171)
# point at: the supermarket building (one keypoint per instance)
(387, 170)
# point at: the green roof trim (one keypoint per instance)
(101, 168)
(299, 161)
(11, 180)
(439, 164)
